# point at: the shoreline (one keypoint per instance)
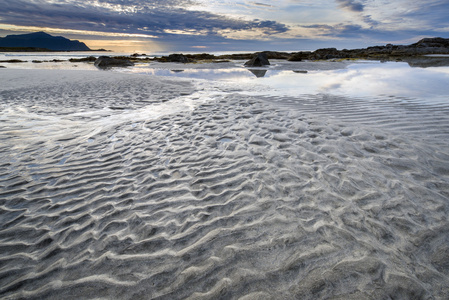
(409, 53)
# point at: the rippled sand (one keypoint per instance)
(116, 186)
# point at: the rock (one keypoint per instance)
(84, 59)
(299, 56)
(276, 55)
(104, 62)
(327, 53)
(202, 56)
(2, 67)
(436, 42)
(13, 61)
(181, 58)
(259, 60)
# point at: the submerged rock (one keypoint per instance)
(104, 62)
(259, 60)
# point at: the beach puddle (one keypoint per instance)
(360, 79)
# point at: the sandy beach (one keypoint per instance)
(127, 186)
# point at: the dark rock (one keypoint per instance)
(181, 58)
(276, 55)
(326, 53)
(239, 56)
(298, 56)
(387, 52)
(259, 60)
(84, 59)
(37, 61)
(104, 62)
(202, 56)
(2, 67)
(432, 42)
(12, 61)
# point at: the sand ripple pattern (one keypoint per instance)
(240, 198)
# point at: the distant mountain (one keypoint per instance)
(42, 40)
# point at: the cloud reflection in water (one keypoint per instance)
(363, 79)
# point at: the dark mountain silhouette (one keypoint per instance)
(42, 40)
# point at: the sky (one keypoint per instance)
(156, 26)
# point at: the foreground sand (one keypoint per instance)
(122, 186)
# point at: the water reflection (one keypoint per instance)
(428, 61)
(361, 79)
(258, 73)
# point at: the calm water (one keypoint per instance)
(362, 79)
(359, 79)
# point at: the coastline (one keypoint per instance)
(417, 54)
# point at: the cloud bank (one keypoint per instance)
(227, 25)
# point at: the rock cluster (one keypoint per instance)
(180, 58)
(105, 62)
(388, 52)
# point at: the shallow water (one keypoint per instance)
(360, 79)
(136, 187)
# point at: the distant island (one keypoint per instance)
(40, 42)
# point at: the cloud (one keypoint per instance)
(260, 4)
(351, 5)
(158, 18)
(233, 24)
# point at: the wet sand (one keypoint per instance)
(121, 186)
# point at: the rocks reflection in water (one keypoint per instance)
(428, 61)
(258, 73)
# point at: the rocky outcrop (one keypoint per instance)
(389, 52)
(179, 58)
(298, 56)
(13, 61)
(84, 59)
(105, 62)
(259, 60)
